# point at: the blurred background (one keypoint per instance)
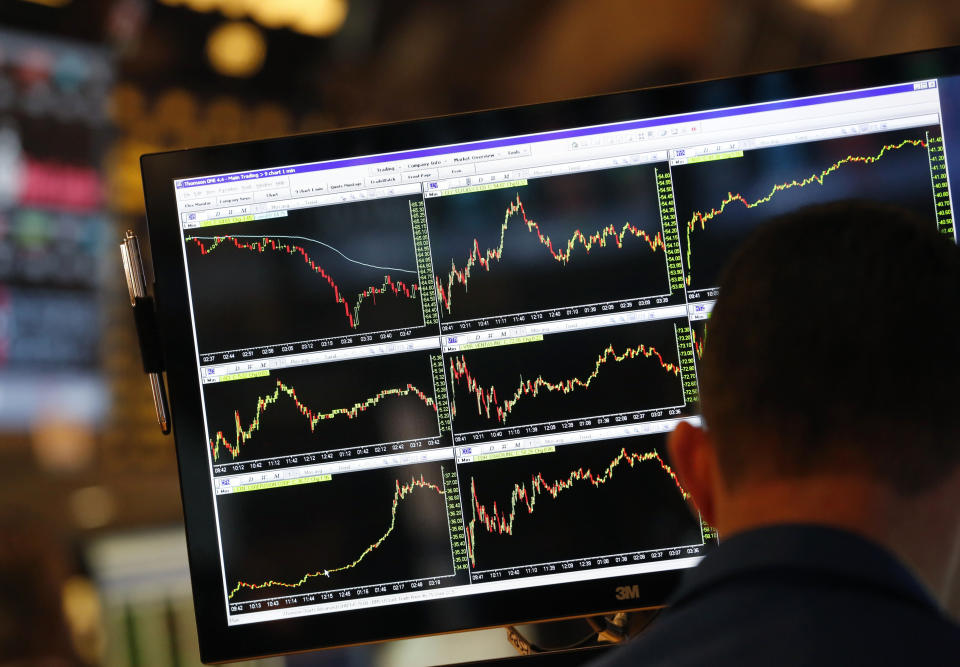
(92, 557)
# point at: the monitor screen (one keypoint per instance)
(422, 384)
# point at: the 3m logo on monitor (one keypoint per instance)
(628, 592)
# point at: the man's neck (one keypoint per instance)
(848, 502)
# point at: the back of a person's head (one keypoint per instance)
(834, 339)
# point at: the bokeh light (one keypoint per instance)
(236, 49)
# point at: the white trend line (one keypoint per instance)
(301, 238)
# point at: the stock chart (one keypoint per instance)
(698, 333)
(554, 242)
(719, 203)
(565, 376)
(313, 274)
(616, 496)
(292, 540)
(323, 407)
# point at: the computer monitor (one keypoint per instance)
(422, 374)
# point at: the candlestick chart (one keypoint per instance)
(319, 272)
(718, 203)
(566, 376)
(360, 528)
(555, 242)
(698, 332)
(617, 496)
(326, 406)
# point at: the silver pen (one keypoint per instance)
(137, 285)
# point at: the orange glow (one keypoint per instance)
(317, 18)
(236, 49)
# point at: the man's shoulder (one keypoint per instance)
(769, 624)
(766, 644)
(796, 597)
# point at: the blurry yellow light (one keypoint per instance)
(176, 109)
(828, 7)
(225, 120)
(62, 444)
(126, 105)
(270, 120)
(51, 3)
(236, 49)
(270, 14)
(82, 611)
(234, 9)
(318, 18)
(92, 507)
(197, 5)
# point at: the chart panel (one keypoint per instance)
(314, 273)
(566, 376)
(310, 409)
(719, 202)
(357, 529)
(549, 243)
(618, 497)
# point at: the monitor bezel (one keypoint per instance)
(221, 642)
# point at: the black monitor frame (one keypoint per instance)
(218, 641)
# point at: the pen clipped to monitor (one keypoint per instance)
(142, 306)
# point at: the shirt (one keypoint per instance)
(795, 595)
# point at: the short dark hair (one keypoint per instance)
(834, 339)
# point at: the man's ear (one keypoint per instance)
(693, 457)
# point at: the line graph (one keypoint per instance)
(487, 398)
(501, 520)
(566, 376)
(328, 406)
(577, 241)
(523, 510)
(317, 273)
(351, 306)
(216, 240)
(889, 166)
(402, 491)
(313, 418)
(556, 242)
(701, 218)
(403, 510)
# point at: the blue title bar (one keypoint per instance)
(546, 136)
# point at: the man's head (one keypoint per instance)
(831, 355)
